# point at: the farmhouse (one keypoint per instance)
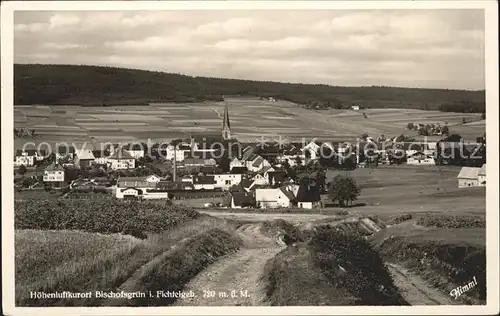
(204, 182)
(274, 198)
(225, 181)
(53, 174)
(121, 159)
(419, 158)
(101, 157)
(470, 177)
(84, 158)
(311, 150)
(25, 158)
(355, 107)
(292, 156)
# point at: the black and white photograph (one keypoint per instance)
(242, 155)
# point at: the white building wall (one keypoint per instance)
(27, 161)
(465, 183)
(53, 176)
(119, 164)
(225, 181)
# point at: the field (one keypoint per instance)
(250, 119)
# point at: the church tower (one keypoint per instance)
(226, 127)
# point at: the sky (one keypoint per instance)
(404, 48)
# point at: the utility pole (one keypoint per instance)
(175, 164)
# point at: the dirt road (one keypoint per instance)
(415, 290)
(235, 280)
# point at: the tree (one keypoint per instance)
(22, 170)
(343, 189)
(364, 136)
(445, 130)
(423, 131)
(410, 126)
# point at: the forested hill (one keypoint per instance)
(92, 85)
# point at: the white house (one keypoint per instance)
(143, 187)
(236, 163)
(469, 177)
(84, 158)
(419, 158)
(53, 174)
(274, 198)
(204, 182)
(257, 164)
(121, 159)
(292, 156)
(481, 176)
(355, 107)
(311, 150)
(26, 159)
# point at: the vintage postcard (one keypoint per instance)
(249, 157)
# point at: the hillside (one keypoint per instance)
(92, 85)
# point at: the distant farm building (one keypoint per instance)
(472, 177)
(355, 107)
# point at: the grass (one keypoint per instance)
(62, 260)
(292, 279)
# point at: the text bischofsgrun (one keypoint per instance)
(97, 294)
(111, 294)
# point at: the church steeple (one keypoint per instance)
(226, 126)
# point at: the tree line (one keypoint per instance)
(106, 86)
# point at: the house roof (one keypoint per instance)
(246, 183)
(54, 167)
(121, 154)
(288, 193)
(241, 198)
(292, 152)
(308, 192)
(248, 152)
(257, 161)
(469, 173)
(239, 170)
(85, 154)
(121, 183)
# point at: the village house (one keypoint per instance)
(101, 157)
(311, 151)
(225, 181)
(257, 164)
(274, 197)
(419, 158)
(481, 176)
(308, 195)
(54, 174)
(84, 158)
(237, 164)
(135, 150)
(469, 177)
(276, 177)
(25, 158)
(206, 182)
(199, 162)
(292, 156)
(242, 200)
(140, 187)
(65, 152)
(121, 160)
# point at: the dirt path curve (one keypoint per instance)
(235, 280)
(415, 290)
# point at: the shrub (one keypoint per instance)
(100, 215)
(400, 218)
(443, 221)
(366, 276)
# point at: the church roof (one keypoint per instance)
(225, 122)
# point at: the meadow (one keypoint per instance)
(251, 118)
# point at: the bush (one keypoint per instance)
(399, 219)
(100, 215)
(443, 221)
(365, 276)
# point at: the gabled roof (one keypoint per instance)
(85, 154)
(288, 193)
(239, 170)
(248, 153)
(469, 173)
(277, 176)
(308, 192)
(292, 152)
